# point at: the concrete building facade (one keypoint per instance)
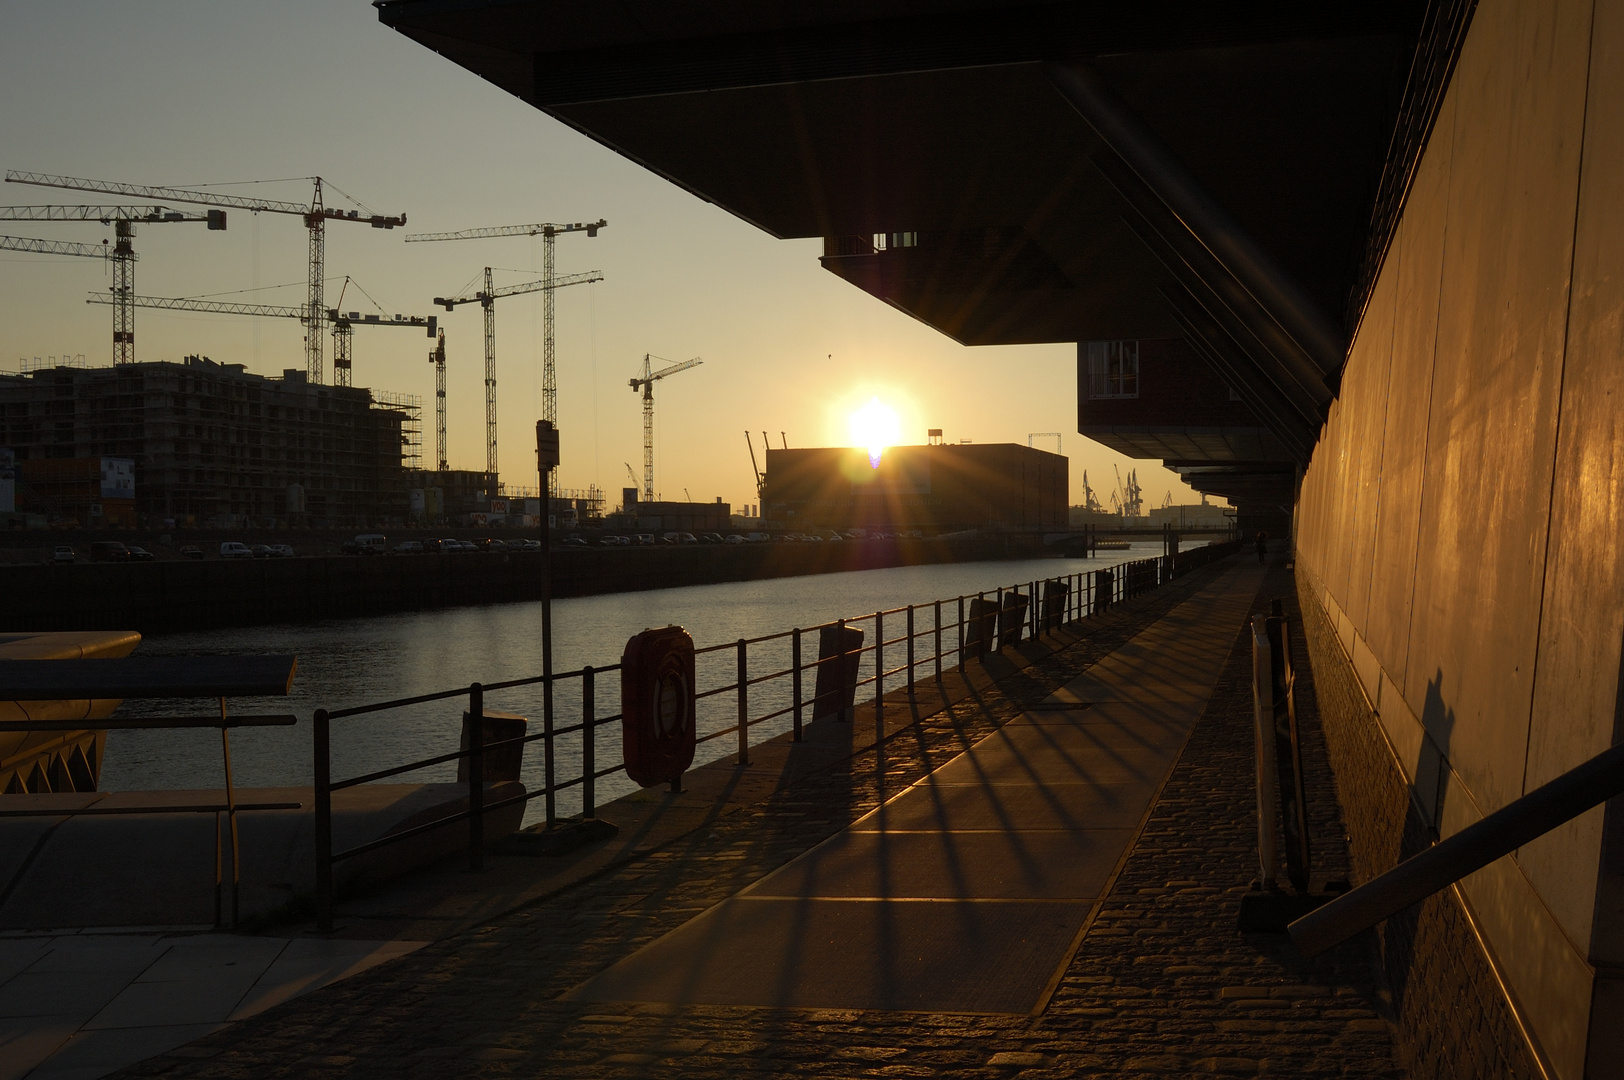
(213, 443)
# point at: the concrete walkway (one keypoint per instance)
(79, 1006)
(969, 891)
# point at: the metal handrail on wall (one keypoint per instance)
(1087, 593)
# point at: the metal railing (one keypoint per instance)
(744, 685)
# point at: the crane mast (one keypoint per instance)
(437, 358)
(646, 384)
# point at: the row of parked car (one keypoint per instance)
(450, 546)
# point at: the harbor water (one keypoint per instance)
(351, 662)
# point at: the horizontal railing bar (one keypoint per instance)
(404, 834)
(398, 703)
(771, 716)
(771, 675)
(719, 690)
(354, 781)
(139, 723)
(729, 730)
(104, 811)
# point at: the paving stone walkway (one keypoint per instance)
(1161, 982)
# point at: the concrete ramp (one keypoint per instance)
(969, 891)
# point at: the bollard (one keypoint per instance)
(589, 748)
(324, 822)
(476, 778)
(795, 678)
(744, 705)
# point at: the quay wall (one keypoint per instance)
(172, 596)
(1461, 528)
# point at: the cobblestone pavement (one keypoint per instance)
(1162, 983)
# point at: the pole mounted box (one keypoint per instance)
(546, 446)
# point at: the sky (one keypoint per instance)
(182, 94)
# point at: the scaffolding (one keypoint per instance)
(410, 407)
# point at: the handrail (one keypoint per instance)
(1517, 823)
(947, 639)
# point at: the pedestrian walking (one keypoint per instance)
(1262, 547)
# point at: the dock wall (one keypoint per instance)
(1461, 524)
(171, 596)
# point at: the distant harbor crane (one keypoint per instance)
(316, 215)
(123, 219)
(761, 479)
(487, 298)
(548, 231)
(646, 384)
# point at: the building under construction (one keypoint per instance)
(213, 444)
(933, 489)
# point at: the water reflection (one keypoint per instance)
(347, 662)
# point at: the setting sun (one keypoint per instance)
(875, 427)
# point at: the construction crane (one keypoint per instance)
(123, 219)
(315, 215)
(437, 358)
(486, 299)
(646, 384)
(345, 322)
(548, 231)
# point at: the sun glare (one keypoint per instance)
(875, 427)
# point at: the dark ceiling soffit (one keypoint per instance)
(934, 41)
(1231, 364)
(1203, 217)
(1260, 335)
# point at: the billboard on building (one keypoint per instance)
(117, 478)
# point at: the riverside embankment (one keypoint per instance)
(160, 597)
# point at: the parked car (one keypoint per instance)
(367, 544)
(63, 553)
(140, 554)
(735, 538)
(281, 551)
(108, 551)
(234, 549)
(260, 551)
(191, 552)
(409, 547)
(687, 538)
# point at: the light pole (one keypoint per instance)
(546, 462)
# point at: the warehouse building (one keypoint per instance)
(211, 443)
(932, 489)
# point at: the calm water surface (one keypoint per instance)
(348, 662)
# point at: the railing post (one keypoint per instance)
(322, 761)
(961, 633)
(879, 676)
(938, 641)
(589, 743)
(550, 796)
(744, 705)
(795, 677)
(476, 777)
(910, 645)
(1032, 610)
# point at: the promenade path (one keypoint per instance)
(1040, 881)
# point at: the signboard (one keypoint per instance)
(117, 478)
(499, 506)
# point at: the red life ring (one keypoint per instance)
(658, 733)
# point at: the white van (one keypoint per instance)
(232, 549)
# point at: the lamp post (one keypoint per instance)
(546, 462)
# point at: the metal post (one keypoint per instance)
(910, 645)
(476, 778)
(961, 633)
(231, 821)
(323, 769)
(589, 747)
(795, 677)
(938, 641)
(879, 676)
(1032, 610)
(546, 453)
(744, 704)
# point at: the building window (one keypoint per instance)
(1113, 369)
